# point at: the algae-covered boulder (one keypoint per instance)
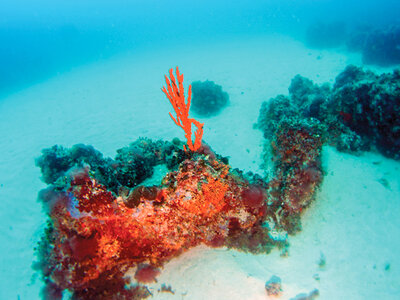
(208, 98)
(360, 112)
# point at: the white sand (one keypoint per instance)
(354, 222)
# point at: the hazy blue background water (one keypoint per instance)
(39, 38)
(42, 38)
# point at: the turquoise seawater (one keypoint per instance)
(91, 72)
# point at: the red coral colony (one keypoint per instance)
(107, 235)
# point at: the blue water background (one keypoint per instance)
(39, 38)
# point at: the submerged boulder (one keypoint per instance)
(208, 98)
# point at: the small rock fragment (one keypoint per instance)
(274, 286)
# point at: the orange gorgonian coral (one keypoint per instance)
(176, 96)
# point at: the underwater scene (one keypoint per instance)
(241, 150)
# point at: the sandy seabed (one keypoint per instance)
(354, 224)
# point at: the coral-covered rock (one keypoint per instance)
(94, 234)
(208, 98)
(132, 165)
(57, 160)
(54, 162)
(296, 128)
(360, 112)
(298, 171)
(350, 142)
(369, 105)
(307, 103)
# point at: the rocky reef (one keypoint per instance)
(369, 105)
(109, 232)
(360, 112)
(103, 224)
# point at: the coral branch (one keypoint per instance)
(175, 94)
